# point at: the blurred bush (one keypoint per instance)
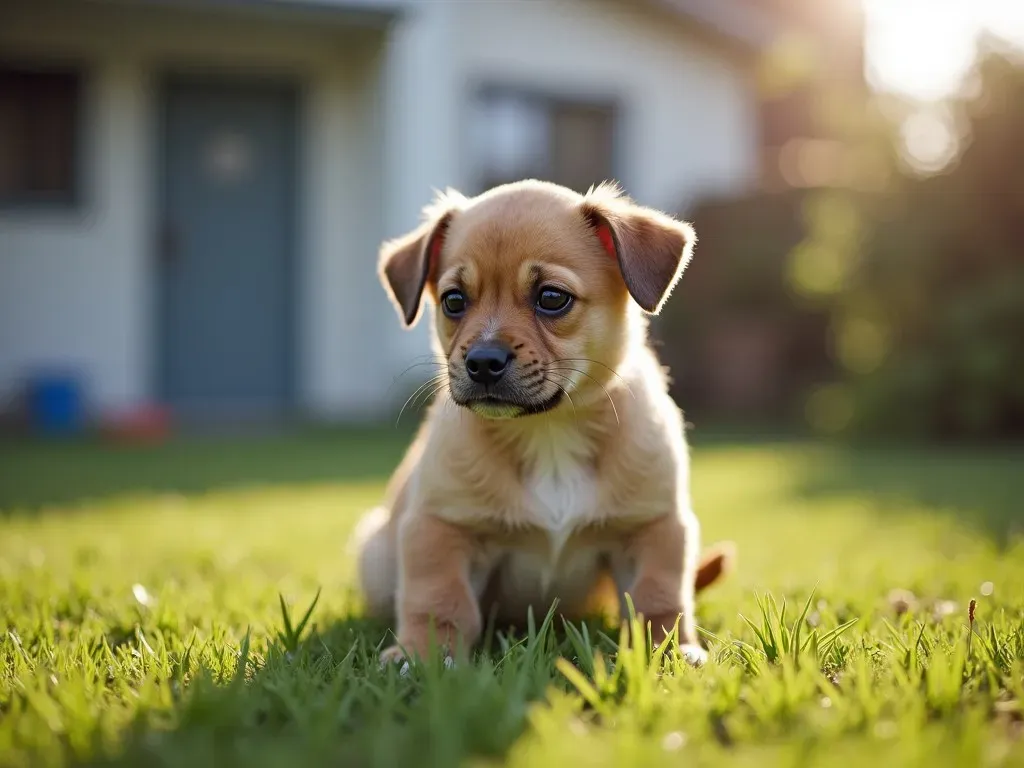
(739, 343)
(882, 303)
(938, 293)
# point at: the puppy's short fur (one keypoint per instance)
(552, 463)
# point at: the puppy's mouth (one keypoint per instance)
(494, 407)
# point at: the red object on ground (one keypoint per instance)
(146, 424)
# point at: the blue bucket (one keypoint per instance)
(56, 404)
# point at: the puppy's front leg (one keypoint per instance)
(664, 554)
(435, 599)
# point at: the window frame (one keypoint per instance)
(71, 199)
(551, 97)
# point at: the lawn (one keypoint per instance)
(142, 624)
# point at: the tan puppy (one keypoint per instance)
(552, 462)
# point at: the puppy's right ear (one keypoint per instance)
(407, 263)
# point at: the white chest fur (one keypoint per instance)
(558, 496)
(558, 484)
(559, 492)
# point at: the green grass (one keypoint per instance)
(141, 619)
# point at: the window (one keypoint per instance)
(517, 134)
(39, 114)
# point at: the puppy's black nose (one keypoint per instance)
(487, 363)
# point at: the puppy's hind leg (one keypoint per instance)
(376, 546)
(663, 579)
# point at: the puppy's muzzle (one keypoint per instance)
(487, 363)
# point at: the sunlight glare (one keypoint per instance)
(929, 141)
(924, 48)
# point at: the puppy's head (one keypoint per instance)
(537, 291)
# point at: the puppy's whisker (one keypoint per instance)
(431, 360)
(433, 392)
(415, 396)
(424, 398)
(533, 385)
(422, 387)
(565, 392)
(604, 389)
(611, 370)
(554, 372)
(397, 378)
(438, 363)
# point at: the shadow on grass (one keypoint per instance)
(38, 473)
(309, 705)
(326, 701)
(981, 487)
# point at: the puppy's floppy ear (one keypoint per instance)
(652, 248)
(407, 263)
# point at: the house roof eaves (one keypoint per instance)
(743, 24)
(368, 12)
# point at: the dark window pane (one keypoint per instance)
(38, 135)
(582, 145)
(519, 134)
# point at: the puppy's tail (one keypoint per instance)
(716, 562)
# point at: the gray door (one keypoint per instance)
(226, 246)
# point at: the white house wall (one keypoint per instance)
(384, 122)
(77, 286)
(73, 283)
(422, 108)
(347, 358)
(688, 125)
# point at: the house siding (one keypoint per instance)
(72, 283)
(77, 286)
(688, 112)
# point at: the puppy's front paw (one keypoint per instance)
(693, 655)
(392, 655)
(661, 626)
(395, 655)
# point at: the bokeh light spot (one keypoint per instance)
(829, 409)
(861, 345)
(929, 142)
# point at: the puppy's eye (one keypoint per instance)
(552, 301)
(453, 303)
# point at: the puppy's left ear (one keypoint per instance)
(407, 263)
(652, 249)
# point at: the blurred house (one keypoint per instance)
(192, 193)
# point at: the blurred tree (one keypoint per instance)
(741, 342)
(875, 291)
(929, 333)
